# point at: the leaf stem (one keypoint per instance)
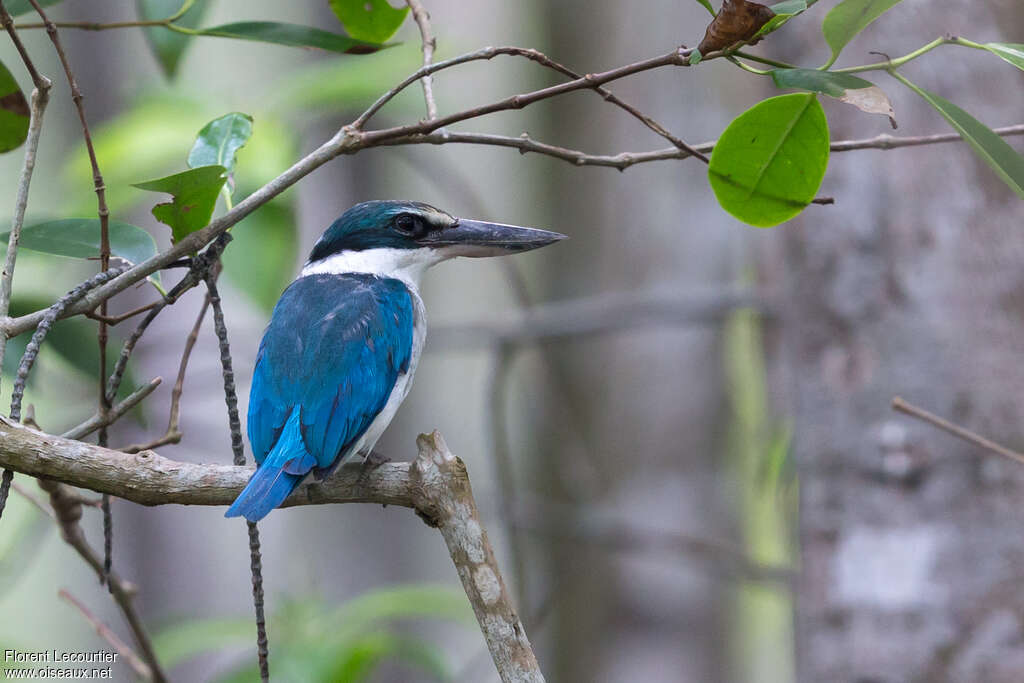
(764, 60)
(896, 63)
(747, 67)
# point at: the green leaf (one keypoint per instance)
(371, 20)
(862, 94)
(328, 86)
(80, 238)
(14, 112)
(784, 11)
(770, 161)
(707, 6)
(146, 141)
(195, 195)
(360, 658)
(219, 141)
(261, 260)
(993, 150)
(813, 80)
(849, 18)
(18, 7)
(168, 46)
(292, 35)
(1011, 52)
(188, 639)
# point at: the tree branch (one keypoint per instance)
(422, 18)
(435, 485)
(351, 139)
(140, 668)
(901, 406)
(447, 503)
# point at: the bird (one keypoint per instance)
(339, 353)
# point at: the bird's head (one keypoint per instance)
(375, 235)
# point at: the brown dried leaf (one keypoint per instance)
(871, 100)
(736, 22)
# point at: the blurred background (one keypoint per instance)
(677, 426)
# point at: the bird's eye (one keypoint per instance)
(407, 224)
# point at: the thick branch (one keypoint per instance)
(447, 503)
(150, 479)
(435, 485)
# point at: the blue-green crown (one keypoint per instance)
(379, 224)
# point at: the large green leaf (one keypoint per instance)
(219, 141)
(261, 260)
(993, 150)
(194, 195)
(856, 91)
(371, 20)
(292, 35)
(813, 80)
(770, 161)
(18, 7)
(168, 46)
(849, 18)
(1011, 52)
(14, 112)
(80, 238)
(146, 141)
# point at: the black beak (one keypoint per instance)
(477, 238)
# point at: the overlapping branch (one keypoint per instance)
(436, 485)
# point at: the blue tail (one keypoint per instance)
(266, 490)
(276, 477)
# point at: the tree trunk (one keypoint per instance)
(911, 285)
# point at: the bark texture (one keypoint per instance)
(910, 538)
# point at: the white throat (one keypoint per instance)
(406, 265)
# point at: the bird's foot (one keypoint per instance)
(372, 461)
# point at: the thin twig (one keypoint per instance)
(40, 97)
(17, 488)
(140, 668)
(524, 143)
(121, 317)
(899, 405)
(197, 268)
(422, 18)
(350, 140)
(38, 80)
(173, 433)
(104, 215)
(50, 315)
(68, 510)
(238, 452)
(115, 413)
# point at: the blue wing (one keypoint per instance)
(333, 350)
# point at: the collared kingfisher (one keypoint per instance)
(343, 342)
